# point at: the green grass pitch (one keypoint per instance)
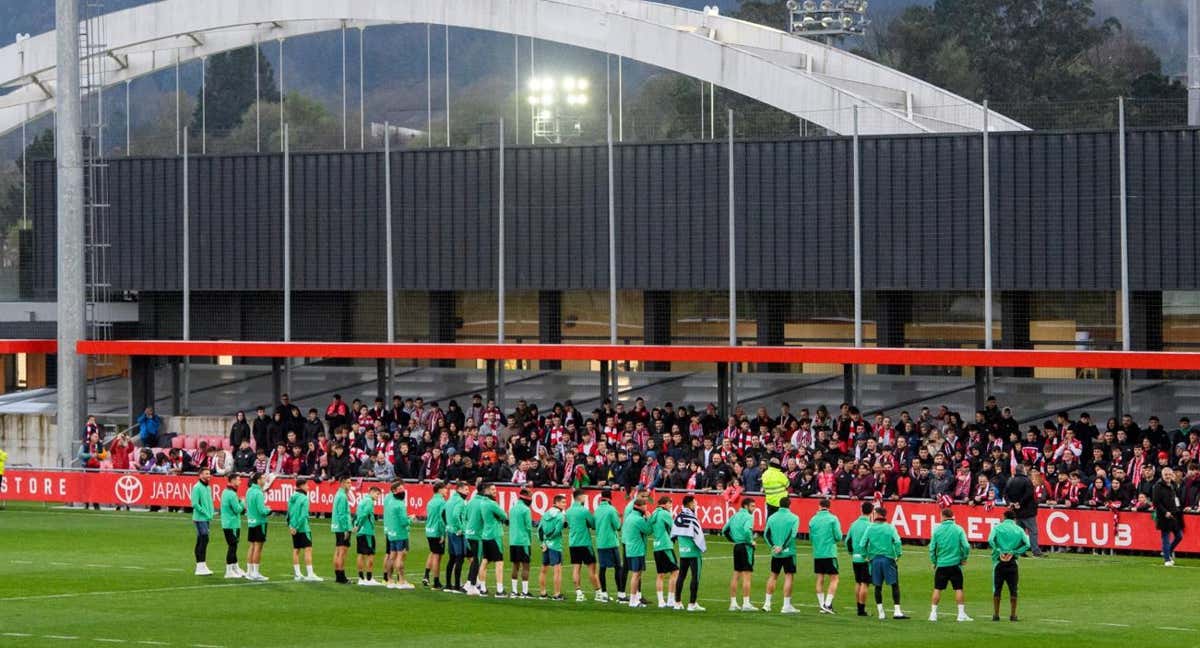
(85, 578)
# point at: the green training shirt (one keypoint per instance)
(948, 547)
(580, 523)
(341, 521)
(825, 532)
(1007, 537)
(520, 524)
(435, 520)
(739, 529)
(634, 532)
(454, 514)
(231, 509)
(494, 519)
(474, 516)
(297, 512)
(881, 539)
(854, 539)
(782, 527)
(202, 503)
(256, 506)
(550, 529)
(661, 522)
(364, 517)
(395, 518)
(608, 526)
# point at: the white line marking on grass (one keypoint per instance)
(1175, 629)
(63, 637)
(15, 634)
(1057, 620)
(1114, 625)
(21, 562)
(60, 564)
(133, 591)
(206, 646)
(103, 640)
(132, 567)
(98, 566)
(148, 642)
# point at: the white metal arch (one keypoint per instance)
(800, 76)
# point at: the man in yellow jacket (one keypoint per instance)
(775, 486)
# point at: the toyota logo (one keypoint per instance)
(128, 489)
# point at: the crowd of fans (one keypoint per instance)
(932, 454)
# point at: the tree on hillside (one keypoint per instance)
(229, 77)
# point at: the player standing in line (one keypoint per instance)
(453, 512)
(256, 524)
(520, 533)
(780, 534)
(1007, 541)
(862, 569)
(580, 523)
(342, 525)
(202, 515)
(231, 524)
(364, 529)
(435, 534)
(825, 532)
(881, 547)
(471, 530)
(395, 529)
(692, 546)
(550, 535)
(665, 564)
(948, 551)
(608, 542)
(298, 526)
(491, 540)
(739, 530)
(633, 535)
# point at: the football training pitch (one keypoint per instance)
(73, 578)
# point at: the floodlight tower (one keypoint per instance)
(827, 19)
(557, 106)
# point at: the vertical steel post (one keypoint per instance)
(281, 120)
(128, 131)
(203, 105)
(447, 85)
(25, 172)
(855, 371)
(257, 94)
(620, 99)
(500, 263)
(345, 116)
(429, 83)
(516, 89)
(391, 279)
(362, 87)
(1126, 328)
(185, 381)
(177, 130)
(988, 342)
(1193, 63)
(71, 302)
(612, 257)
(732, 372)
(287, 253)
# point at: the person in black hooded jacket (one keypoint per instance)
(240, 430)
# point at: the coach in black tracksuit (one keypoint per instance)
(1020, 495)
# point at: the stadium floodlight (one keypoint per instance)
(828, 19)
(556, 106)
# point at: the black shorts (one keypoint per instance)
(785, 565)
(664, 562)
(1005, 573)
(862, 573)
(948, 575)
(518, 554)
(472, 549)
(491, 551)
(828, 566)
(257, 533)
(582, 556)
(341, 539)
(743, 558)
(437, 546)
(366, 545)
(301, 540)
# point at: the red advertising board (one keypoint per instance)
(1061, 527)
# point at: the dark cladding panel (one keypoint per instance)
(1164, 202)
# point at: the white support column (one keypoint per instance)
(177, 129)
(857, 217)
(69, 196)
(447, 85)
(287, 255)
(620, 99)
(429, 83)
(987, 236)
(390, 283)
(362, 87)
(344, 116)
(185, 379)
(1193, 63)
(1126, 333)
(732, 235)
(281, 95)
(128, 109)
(612, 257)
(516, 89)
(257, 94)
(203, 105)
(500, 263)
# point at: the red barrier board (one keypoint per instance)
(914, 520)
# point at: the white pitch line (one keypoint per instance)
(1114, 625)
(21, 562)
(98, 566)
(60, 564)
(148, 642)
(103, 640)
(1174, 629)
(63, 637)
(1057, 620)
(15, 634)
(132, 567)
(206, 646)
(114, 592)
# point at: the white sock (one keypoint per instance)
(767, 601)
(829, 600)
(934, 609)
(820, 600)
(880, 607)
(514, 584)
(746, 600)
(661, 600)
(733, 601)
(310, 571)
(296, 569)
(499, 588)
(896, 609)
(524, 587)
(787, 601)
(962, 610)
(253, 569)
(671, 598)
